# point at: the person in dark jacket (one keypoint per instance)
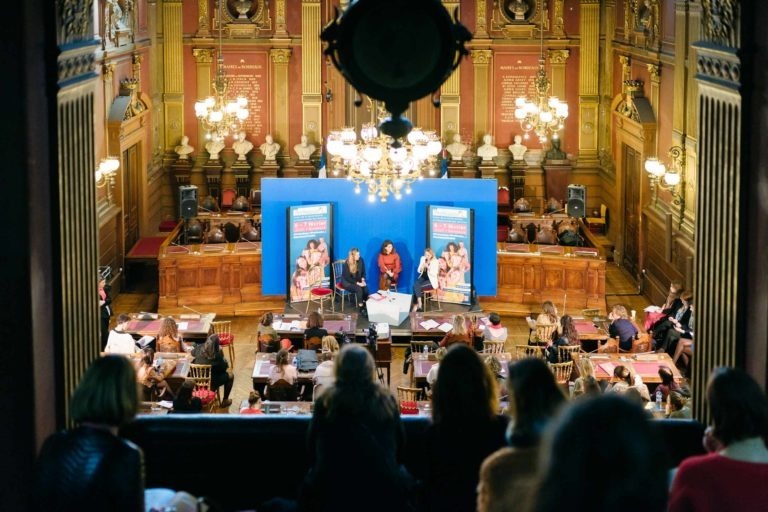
(185, 402)
(210, 353)
(89, 467)
(353, 277)
(622, 327)
(105, 310)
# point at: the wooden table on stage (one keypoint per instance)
(421, 366)
(333, 323)
(645, 365)
(194, 329)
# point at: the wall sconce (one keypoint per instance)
(672, 178)
(105, 175)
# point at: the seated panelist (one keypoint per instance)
(353, 277)
(428, 270)
(389, 265)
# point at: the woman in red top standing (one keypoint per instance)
(389, 265)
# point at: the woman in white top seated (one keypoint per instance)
(324, 376)
(432, 375)
(119, 341)
(283, 369)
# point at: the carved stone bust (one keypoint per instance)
(184, 149)
(517, 149)
(487, 151)
(456, 148)
(304, 149)
(241, 146)
(214, 147)
(269, 148)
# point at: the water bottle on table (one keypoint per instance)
(658, 399)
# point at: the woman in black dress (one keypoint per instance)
(353, 277)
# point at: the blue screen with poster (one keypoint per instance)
(365, 225)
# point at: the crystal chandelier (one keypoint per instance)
(385, 165)
(221, 117)
(542, 116)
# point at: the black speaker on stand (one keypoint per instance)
(187, 205)
(577, 200)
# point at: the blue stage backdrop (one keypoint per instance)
(359, 223)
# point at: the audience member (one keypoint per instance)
(329, 344)
(569, 337)
(324, 377)
(185, 402)
(623, 381)
(586, 383)
(253, 404)
(621, 327)
(151, 375)
(732, 477)
(90, 467)
(210, 353)
(286, 344)
(602, 454)
(494, 366)
(668, 383)
(655, 314)
(283, 369)
(458, 334)
(314, 327)
(678, 406)
(466, 429)
(432, 374)
(677, 320)
(390, 265)
(105, 310)
(356, 435)
(266, 334)
(548, 316)
(494, 331)
(168, 336)
(120, 341)
(508, 475)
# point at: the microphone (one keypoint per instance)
(205, 210)
(243, 239)
(192, 310)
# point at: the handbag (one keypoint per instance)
(306, 360)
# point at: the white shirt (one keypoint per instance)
(432, 375)
(120, 343)
(290, 374)
(324, 374)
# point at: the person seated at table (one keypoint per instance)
(168, 336)
(428, 271)
(253, 404)
(329, 344)
(548, 316)
(210, 353)
(266, 334)
(655, 314)
(668, 383)
(185, 402)
(507, 476)
(732, 476)
(679, 329)
(432, 374)
(622, 327)
(283, 369)
(684, 349)
(458, 334)
(389, 265)
(355, 434)
(586, 383)
(623, 380)
(324, 377)
(151, 375)
(678, 406)
(569, 337)
(494, 331)
(120, 341)
(678, 319)
(466, 428)
(494, 366)
(314, 329)
(353, 278)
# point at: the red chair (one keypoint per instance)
(502, 200)
(319, 294)
(228, 196)
(226, 339)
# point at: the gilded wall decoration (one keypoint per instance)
(130, 87)
(720, 21)
(74, 22)
(641, 23)
(119, 23)
(518, 19)
(246, 18)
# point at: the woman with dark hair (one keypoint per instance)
(355, 435)
(732, 477)
(581, 452)
(105, 310)
(494, 331)
(668, 331)
(353, 277)
(210, 353)
(168, 336)
(185, 402)
(623, 381)
(668, 383)
(466, 428)
(507, 476)
(389, 265)
(569, 337)
(90, 467)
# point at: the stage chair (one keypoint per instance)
(562, 371)
(543, 333)
(338, 289)
(565, 352)
(430, 294)
(611, 346)
(201, 374)
(283, 391)
(493, 347)
(406, 394)
(226, 338)
(523, 351)
(320, 294)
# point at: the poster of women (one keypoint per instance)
(450, 236)
(309, 240)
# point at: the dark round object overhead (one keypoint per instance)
(396, 51)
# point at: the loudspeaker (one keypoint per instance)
(577, 199)
(187, 201)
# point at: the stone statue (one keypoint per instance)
(555, 153)
(303, 149)
(269, 148)
(241, 146)
(517, 149)
(213, 148)
(487, 151)
(518, 8)
(456, 148)
(184, 149)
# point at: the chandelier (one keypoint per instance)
(383, 164)
(542, 116)
(221, 117)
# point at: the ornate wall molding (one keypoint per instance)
(77, 65)
(720, 21)
(717, 66)
(280, 55)
(203, 55)
(73, 19)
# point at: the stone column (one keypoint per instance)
(311, 71)
(280, 57)
(449, 96)
(589, 72)
(204, 76)
(280, 25)
(173, 73)
(557, 60)
(481, 60)
(203, 19)
(481, 14)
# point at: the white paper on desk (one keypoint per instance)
(166, 404)
(182, 326)
(429, 324)
(277, 325)
(445, 327)
(485, 320)
(653, 309)
(375, 296)
(295, 325)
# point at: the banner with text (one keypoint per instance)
(310, 228)
(449, 234)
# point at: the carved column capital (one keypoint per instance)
(203, 55)
(280, 55)
(107, 71)
(558, 56)
(481, 56)
(653, 70)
